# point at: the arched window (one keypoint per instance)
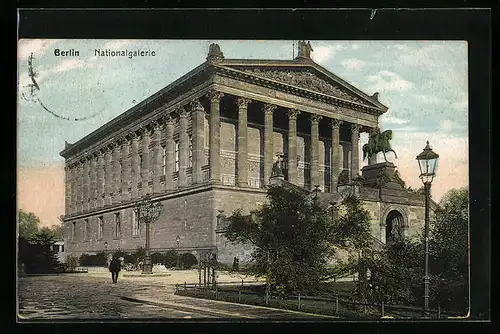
(100, 228)
(176, 156)
(394, 226)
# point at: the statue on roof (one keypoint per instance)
(305, 49)
(214, 52)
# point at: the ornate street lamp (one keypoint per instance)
(147, 212)
(427, 161)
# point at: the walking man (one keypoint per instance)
(114, 268)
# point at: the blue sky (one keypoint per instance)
(424, 84)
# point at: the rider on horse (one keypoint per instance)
(378, 142)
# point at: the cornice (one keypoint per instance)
(295, 90)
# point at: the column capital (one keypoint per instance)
(315, 118)
(183, 113)
(335, 123)
(293, 113)
(213, 95)
(269, 108)
(355, 128)
(243, 102)
(196, 105)
(108, 148)
(145, 131)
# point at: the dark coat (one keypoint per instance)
(115, 265)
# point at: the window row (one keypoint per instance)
(74, 233)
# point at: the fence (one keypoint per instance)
(337, 305)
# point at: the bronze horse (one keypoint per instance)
(378, 143)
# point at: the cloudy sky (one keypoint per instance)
(424, 84)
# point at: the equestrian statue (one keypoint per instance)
(378, 142)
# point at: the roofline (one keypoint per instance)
(301, 62)
(131, 111)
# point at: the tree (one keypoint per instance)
(56, 231)
(292, 236)
(449, 250)
(28, 224)
(37, 254)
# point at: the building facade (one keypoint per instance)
(205, 145)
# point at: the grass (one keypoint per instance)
(254, 295)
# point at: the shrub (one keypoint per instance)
(157, 258)
(170, 258)
(71, 263)
(92, 260)
(188, 260)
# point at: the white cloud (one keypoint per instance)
(356, 46)
(388, 81)
(353, 63)
(323, 53)
(447, 125)
(430, 99)
(37, 46)
(393, 120)
(461, 105)
(453, 166)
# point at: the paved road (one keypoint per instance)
(84, 296)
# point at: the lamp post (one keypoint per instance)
(427, 161)
(147, 212)
(178, 239)
(106, 252)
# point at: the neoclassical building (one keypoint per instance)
(205, 145)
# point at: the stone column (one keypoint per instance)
(198, 135)
(292, 145)
(146, 139)
(215, 98)
(108, 182)
(268, 141)
(157, 159)
(125, 169)
(93, 182)
(67, 190)
(242, 139)
(315, 150)
(117, 173)
(335, 158)
(79, 188)
(136, 167)
(74, 176)
(355, 150)
(100, 180)
(183, 148)
(169, 151)
(86, 184)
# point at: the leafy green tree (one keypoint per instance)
(292, 236)
(170, 258)
(449, 250)
(39, 257)
(28, 224)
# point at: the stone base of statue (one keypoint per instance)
(147, 267)
(383, 181)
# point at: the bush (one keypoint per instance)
(188, 260)
(71, 263)
(170, 258)
(157, 258)
(92, 260)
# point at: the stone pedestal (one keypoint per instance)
(373, 172)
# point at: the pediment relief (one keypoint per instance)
(307, 80)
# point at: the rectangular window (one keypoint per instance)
(101, 228)
(190, 151)
(164, 160)
(176, 156)
(135, 224)
(62, 248)
(117, 226)
(86, 229)
(73, 230)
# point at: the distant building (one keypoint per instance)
(58, 248)
(207, 143)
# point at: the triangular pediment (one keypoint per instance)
(311, 77)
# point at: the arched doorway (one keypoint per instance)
(394, 226)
